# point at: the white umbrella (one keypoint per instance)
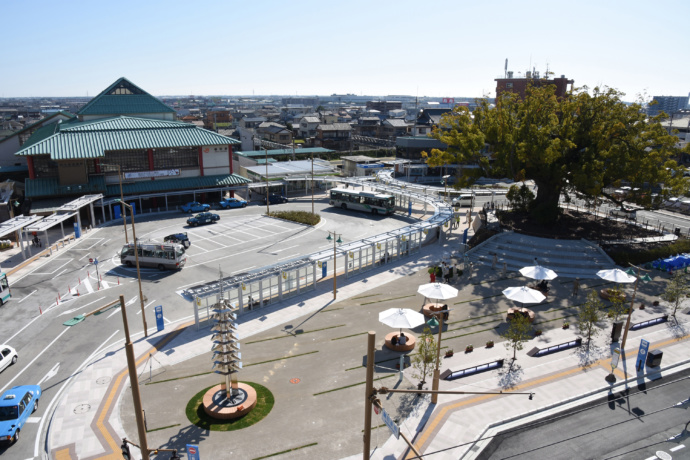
(524, 294)
(538, 272)
(437, 291)
(401, 318)
(616, 275)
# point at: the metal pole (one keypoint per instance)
(122, 199)
(134, 382)
(368, 391)
(136, 258)
(437, 372)
(632, 305)
(312, 178)
(335, 286)
(268, 209)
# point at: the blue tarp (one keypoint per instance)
(672, 263)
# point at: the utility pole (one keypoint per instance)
(268, 209)
(369, 387)
(134, 382)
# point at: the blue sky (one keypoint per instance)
(429, 48)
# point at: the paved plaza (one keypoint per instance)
(311, 355)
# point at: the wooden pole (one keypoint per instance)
(368, 390)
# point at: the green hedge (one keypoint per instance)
(302, 217)
(644, 255)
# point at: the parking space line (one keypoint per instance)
(50, 273)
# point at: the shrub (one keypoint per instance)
(637, 257)
(302, 217)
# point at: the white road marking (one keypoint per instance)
(244, 269)
(87, 283)
(33, 420)
(145, 307)
(281, 250)
(79, 308)
(24, 298)
(63, 271)
(192, 284)
(94, 244)
(167, 320)
(59, 392)
(104, 243)
(32, 361)
(86, 255)
(290, 256)
(673, 449)
(127, 304)
(51, 373)
(104, 285)
(50, 273)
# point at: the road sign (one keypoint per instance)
(324, 269)
(159, 317)
(642, 354)
(377, 411)
(391, 424)
(198, 301)
(193, 452)
(95, 261)
(90, 260)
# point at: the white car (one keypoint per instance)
(623, 213)
(464, 199)
(8, 355)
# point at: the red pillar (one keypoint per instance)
(30, 163)
(150, 152)
(201, 162)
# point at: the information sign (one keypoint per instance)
(642, 354)
(193, 452)
(159, 317)
(391, 424)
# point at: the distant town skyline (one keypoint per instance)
(304, 48)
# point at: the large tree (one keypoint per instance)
(586, 142)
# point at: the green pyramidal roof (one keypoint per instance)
(75, 139)
(124, 98)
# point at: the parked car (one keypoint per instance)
(623, 213)
(179, 238)
(195, 206)
(16, 405)
(276, 199)
(8, 355)
(227, 203)
(203, 218)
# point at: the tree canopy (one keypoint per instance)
(585, 143)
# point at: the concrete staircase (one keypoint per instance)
(568, 258)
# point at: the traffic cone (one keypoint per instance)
(40, 310)
(77, 292)
(69, 289)
(118, 280)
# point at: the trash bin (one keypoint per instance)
(654, 358)
(677, 231)
(616, 330)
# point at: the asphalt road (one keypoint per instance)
(633, 425)
(46, 295)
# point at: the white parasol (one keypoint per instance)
(523, 294)
(616, 275)
(538, 272)
(401, 318)
(437, 291)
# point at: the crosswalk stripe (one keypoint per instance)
(87, 283)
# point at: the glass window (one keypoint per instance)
(6, 352)
(176, 157)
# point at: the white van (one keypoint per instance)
(465, 199)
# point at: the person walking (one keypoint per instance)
(576, 287)
(504, 272)
(494, 262)
(444, 270)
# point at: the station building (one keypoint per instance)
(126, 136)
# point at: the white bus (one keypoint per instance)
(160, 255)
(375, 203)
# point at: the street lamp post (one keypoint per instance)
(644, 278)
(445, 186)
(136, 258)
(122, 198)
(437, 372)
(312, 180)
(336, 239)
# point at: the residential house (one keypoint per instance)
(274, 132)
(426, 120)
(248, 122)
(335, 136)
(393, 128)
(367, 126)
(307, 126)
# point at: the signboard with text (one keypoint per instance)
(193, 452)
(148, 174)
(390, 423)
(159, 317)
(642, 354)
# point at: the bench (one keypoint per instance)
(409, 345)
(512, 311)
(452, 375)
(430, 309)
(649, 322)
(537, 352)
